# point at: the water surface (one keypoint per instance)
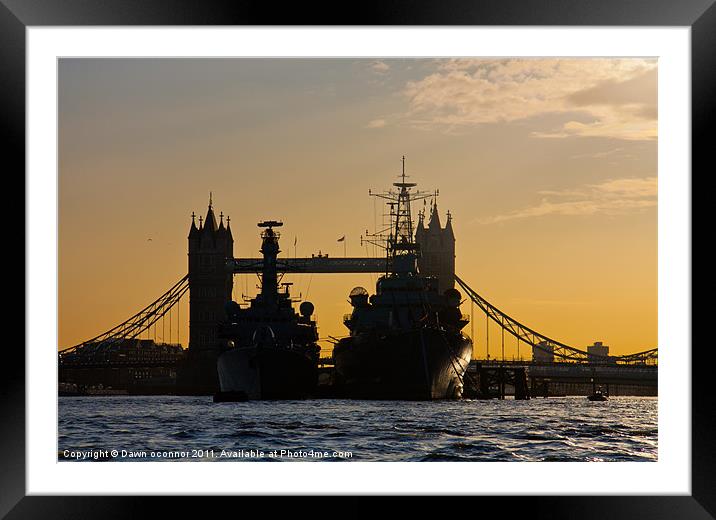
(173, 428)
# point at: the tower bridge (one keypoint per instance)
(209, 283)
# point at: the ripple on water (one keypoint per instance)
(248, 434)
(439, 456)
(184, 434)
(565, 429)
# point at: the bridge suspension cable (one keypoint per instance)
(545, 343)
(134, 326)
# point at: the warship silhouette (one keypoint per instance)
(405, 341)
(272, 350)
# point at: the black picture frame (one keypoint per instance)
(699, 15)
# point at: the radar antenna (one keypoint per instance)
(397, 237)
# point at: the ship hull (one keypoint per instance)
(423, 364)
(266, 373)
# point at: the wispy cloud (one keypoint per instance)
(376, 123)
(529, 301)
(612, 197)
(612, 152)
(379, 66)
(600, 97)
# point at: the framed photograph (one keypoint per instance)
(439, 247)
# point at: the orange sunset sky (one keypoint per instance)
(548, 166)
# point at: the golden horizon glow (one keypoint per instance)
(548, 167)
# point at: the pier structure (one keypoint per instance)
(525, 379)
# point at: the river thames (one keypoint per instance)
(173, 428)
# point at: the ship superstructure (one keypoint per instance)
(272, 351)
(405, 340)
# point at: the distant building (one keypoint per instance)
(544, 353)
(122, 364)
(599, 353)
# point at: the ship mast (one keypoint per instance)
(400, 246)
(270, 250)
(403, 231)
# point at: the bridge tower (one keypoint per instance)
(437, 247)
(210, 287)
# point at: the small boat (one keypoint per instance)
(598, 395)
